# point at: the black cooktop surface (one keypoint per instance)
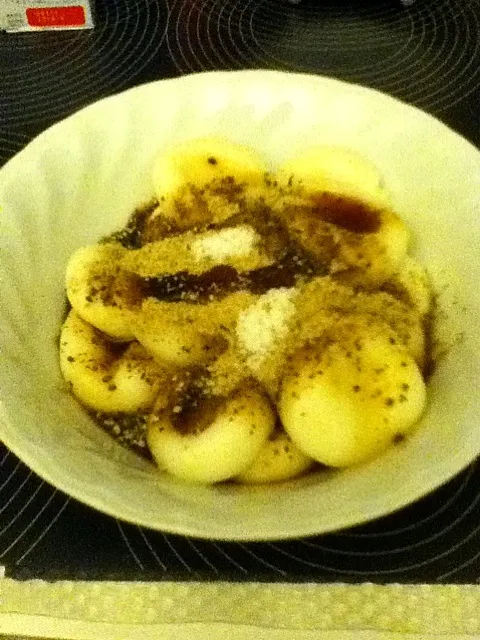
(427, 54)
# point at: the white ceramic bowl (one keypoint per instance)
(82, 178)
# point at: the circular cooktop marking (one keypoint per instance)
(29, 508)
(427, 54)
(62, 72)
(389, 549)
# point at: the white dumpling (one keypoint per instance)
(349, 394)
(105, 376)
(366, 241)
(98, 290)
(336, 169)
(181, 175)
(279, 459)
(222, 439)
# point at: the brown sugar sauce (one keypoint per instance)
(293, 264)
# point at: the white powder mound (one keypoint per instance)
(226, 243)
(262, 326)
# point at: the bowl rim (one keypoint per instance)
(404, 496)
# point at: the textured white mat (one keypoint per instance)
(232, 611)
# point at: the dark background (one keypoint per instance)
(427, 54)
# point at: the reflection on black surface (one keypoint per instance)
(45, 535)
(427, 54)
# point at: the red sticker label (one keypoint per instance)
(56, 17)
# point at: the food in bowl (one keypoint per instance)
(250, 325)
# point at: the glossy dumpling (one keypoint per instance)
(220, 441)
(349, 394)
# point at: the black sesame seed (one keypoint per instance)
(212, 160)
